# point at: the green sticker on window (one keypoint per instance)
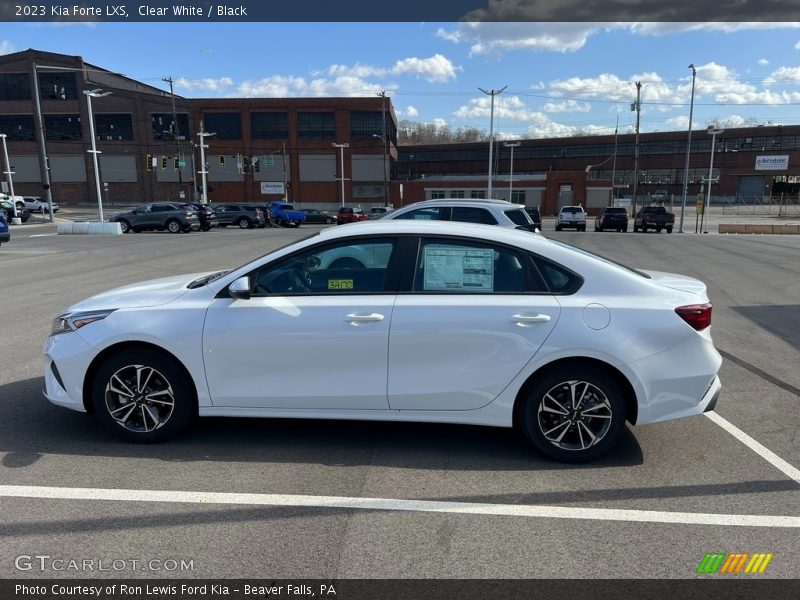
(340, 284)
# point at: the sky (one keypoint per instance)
(562, 78)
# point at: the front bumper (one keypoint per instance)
(71, 355)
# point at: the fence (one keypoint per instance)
(782, 206)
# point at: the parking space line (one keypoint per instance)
(390, 504)
(776, 461)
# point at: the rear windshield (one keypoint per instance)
(572, 209)
(655, 209)
(616, 210)
(602, 258)
(518, 216)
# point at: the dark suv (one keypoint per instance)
(612, 217)
(160, 216)
(206, 214)
(243, 216)
(7, 210)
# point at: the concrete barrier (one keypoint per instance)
(86, 228)
(785, 228)
(731, 228)
(758, 228)
(768, 228)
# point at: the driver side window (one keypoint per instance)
(348, 267)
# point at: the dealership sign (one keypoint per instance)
(272, 187)
(772, 163)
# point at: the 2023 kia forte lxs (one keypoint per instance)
(400, 320)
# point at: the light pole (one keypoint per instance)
(491, 93)
(204, 172)
(511, 145)
(713, 131)
(385, 177)
(7, 172)
(688, 150)
(98, 93)
(341, 148)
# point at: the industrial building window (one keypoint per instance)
(312, 125)
(163, 128)
(518, 196)
(457, 194)
(113, 126)
(437, 194)
(57, 86)
(363, 124)
(15, 86)
(63, 127)
(477, 194)
(17, 127)
(227, 126)
(269, 125)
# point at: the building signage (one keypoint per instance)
(778, 162)
(272, 187)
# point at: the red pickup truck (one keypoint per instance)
(349, 214)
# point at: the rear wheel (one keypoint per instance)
(329, 221)
(658, 229)
(573, 413)
(173, 226)
(244, 223)
(669, 229)
(143, 396)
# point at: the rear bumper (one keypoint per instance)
(5, 237)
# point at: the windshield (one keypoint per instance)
(287, 206)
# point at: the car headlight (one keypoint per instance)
(74, 321)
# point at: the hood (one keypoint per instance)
(679, 282)
(154, 292)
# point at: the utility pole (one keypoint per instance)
(174, 130)
(341, 148)
(382, 94)
(636, 153)
(491, 93)
(511, 145)
(14, 218)
(43, 163)
(285, 183)
(614, 164)
(688, 150)
(204, 171)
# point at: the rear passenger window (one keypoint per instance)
(558, 279)
(472, 214)
(424, 214)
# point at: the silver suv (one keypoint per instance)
(487, 212)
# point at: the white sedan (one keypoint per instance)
(451, 323)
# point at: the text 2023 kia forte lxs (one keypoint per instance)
(400, 320)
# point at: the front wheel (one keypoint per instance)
(244, 223)
(143, 396)
(574, 413)
(125, 226)
(174, 226)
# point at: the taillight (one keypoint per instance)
(187, 213)
(696, 315)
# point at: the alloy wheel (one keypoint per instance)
(575, 415)
(139, 398)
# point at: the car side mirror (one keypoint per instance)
(240, 289)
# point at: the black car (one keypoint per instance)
(243, 216)
(160, 216)
(316, 216)
(612, 217)
(206, 214)
(535, 216)
(7, 210)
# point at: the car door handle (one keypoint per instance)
(360, 318)
(523, 320)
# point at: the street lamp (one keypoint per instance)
(8, 173)
(688, 149)
(98, 93)
(341, 148)
(204, 172)
(511, 145)
(713, 131)
(491, 93)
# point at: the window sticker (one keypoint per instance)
(455, 269)
(340, 284)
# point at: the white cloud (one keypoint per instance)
(566, 106)
(410, 112)
(6, 47)
(783, 74)
(439, 122)
(279, 86)
(797, 46)
(207, 84)
(763, 61)
(681, 122)
(434, 69)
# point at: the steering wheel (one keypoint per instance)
(291, 281)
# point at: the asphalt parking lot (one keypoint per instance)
(650, 509)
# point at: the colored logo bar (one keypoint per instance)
(734, 563)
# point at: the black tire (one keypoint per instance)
(658, 229)
(600, 229)
(124, 225)
(157, 420)
(669, 229)
(205, 227)
(576, 444)
(243, 223)
(558, 227)
(582, 228)
(174, 226)
(329, 221)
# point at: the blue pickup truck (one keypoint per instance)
(285, 214)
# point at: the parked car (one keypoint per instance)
(5, 232)
(39, 205)
(376, 212)
(243, 216)
(654, 217)
(559, 342)
(158, 216)
(7, 210)
(284, 213)
(612, 217)
(317, 216)
(350, 214)
(206, 214)
(486, 212)
(535, 215)
(571, 217)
